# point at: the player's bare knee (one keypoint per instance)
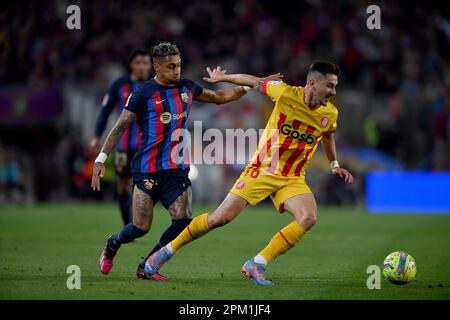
(306, 218)
(143, 225)
(142, 210)
(142, 220)
(182, 206)
(227, 211)
(218, 219)
(308, 221)
(181, 215)
(214, 221)
(180, 212)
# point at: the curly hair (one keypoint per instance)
(164, 49)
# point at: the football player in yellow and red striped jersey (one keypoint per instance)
(302, 117)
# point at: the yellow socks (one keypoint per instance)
(283, 241)
(280, 243)
(197, 228)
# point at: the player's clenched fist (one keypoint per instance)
(99, 172)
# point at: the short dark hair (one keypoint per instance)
(324, 67)
(164, 49)
(138, 52)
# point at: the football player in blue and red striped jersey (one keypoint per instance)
(160, 106)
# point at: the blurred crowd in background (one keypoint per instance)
(393, 93)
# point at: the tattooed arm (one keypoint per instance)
(219, 75)
(124, 121)
(221, 96)
(231, 94)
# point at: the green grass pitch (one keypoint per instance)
(38, 243)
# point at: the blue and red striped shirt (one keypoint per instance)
(160, 111)
(118, 95)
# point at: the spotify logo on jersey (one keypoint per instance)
(165, 117)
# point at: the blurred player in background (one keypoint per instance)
(139, 65)
(302, 117)
(161, 106)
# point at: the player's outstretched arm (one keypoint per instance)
(222, 96)
(219, 75)
(124, 121)
(245, 82)
(329, 146)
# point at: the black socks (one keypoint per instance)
(127, 234)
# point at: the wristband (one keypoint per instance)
(334, 165)
(101, 157)
(246, 88)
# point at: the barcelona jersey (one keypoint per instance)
(160, 112)
(117, 96)
(292, 132)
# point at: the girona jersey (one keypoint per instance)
(292, 132)
(160, 112)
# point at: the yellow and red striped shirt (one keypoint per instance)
(292, 132)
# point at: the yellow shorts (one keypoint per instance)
(255, 184)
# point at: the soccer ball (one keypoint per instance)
(399, 267)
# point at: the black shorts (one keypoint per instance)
(165, 185)
(122, 163)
